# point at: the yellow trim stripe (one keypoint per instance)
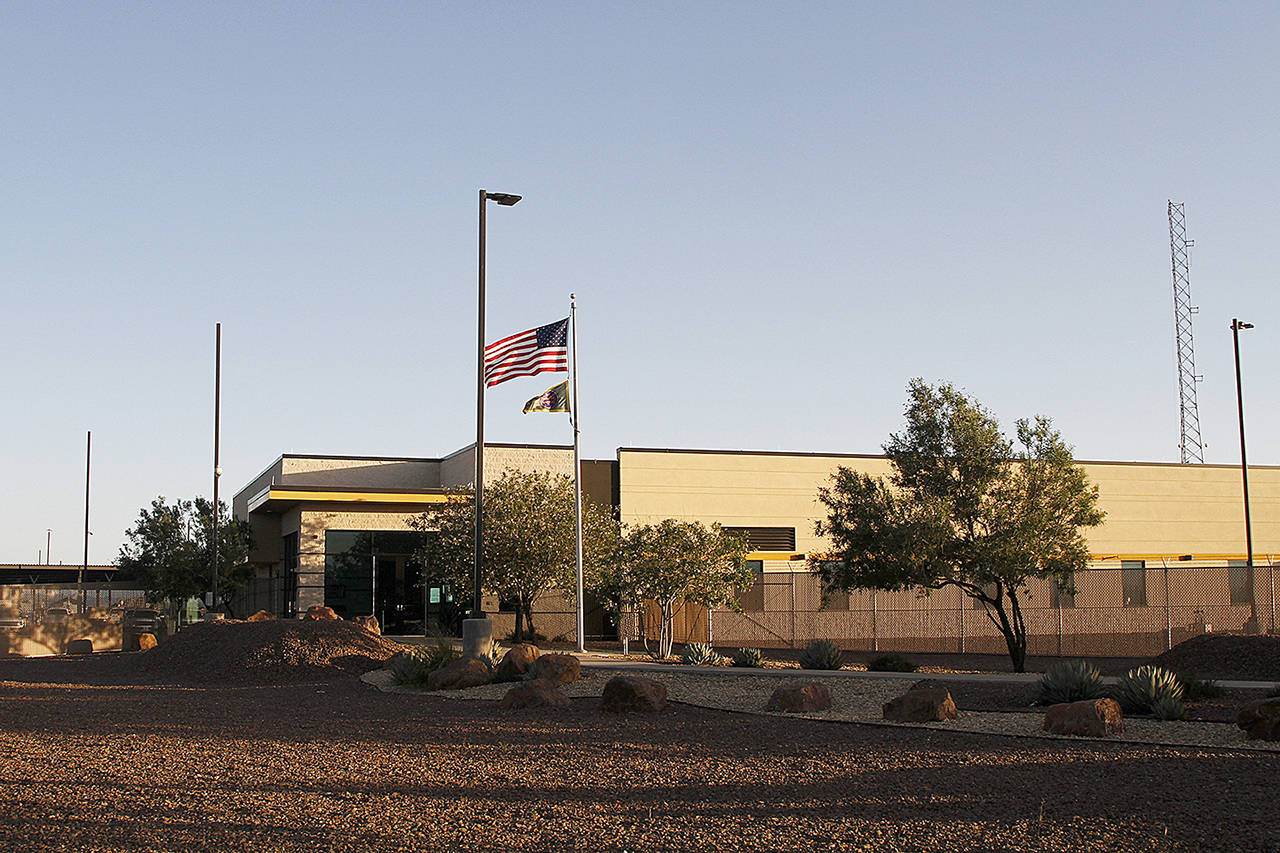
(357, 497)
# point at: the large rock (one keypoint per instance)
(538, 693)
(1087, 718)
(628, 693)
(516, 662)
(320, 613)
(928, 704)
(800, 697)
(80, 647)
(146, 642)
(1261, 719)
(261, 616)
(555, 667)
(369, 623)
(459, 675)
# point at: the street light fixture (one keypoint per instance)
(1236, 326)
(478, 630)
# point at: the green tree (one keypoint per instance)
(962, 508)
(677, 562)
(168, 550)
(530, 544)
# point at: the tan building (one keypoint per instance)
(1168, 562)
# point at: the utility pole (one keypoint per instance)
(1190, 446)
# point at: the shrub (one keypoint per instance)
(1168, 707)
(413, 665)
(1142, 688)
(892, 662)
(821, 654)
(1193, 689)
(1068, 681)
(700, 654)
(748, 657)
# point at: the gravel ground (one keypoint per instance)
(96, 763)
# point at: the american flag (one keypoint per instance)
(541, 350)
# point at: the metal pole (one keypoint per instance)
(577, 479)
(1236, 326)
(84, 567)
(477, 611)
(48, 544)
(373, 588)
(1168, 618)
(218, 470)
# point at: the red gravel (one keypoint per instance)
(335, 765)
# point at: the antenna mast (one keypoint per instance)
(1183, 310)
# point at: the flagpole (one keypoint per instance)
(577, 469)
(477, 609)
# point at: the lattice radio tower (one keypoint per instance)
(1183, 311)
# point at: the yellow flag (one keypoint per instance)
(554, 399)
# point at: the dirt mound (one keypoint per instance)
(265, 652)
(1247, 658)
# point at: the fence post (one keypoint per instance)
(1059, 608)
(875, 633)
(961, 608)
(793, 608)
(1168, 619)
(1271, 571)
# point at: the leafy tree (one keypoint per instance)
(674, 562)
(530, 544)
(168, 550)
(962, 508)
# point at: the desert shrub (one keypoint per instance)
(1193, 689)
(892, 662)
(494, 657)
(700, 654)
(821, 654)
(1068, 681)
(1139, 689)
(413, 665)
(1168, 707)
(748, 657)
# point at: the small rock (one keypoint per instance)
(80, 647)
(628, 693)
(261, 616)
(925, 705)
(1087, 718)
(555, 667)
(800, 698)
(516, 662)
(320, 613)
(538, 693)
(370, 624)
(146, 641)
(1261, 719)
(459, 675)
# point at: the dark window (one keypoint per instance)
(1238, 578)
(752, 600)
(289, 553)
(1133, 574)
(1060, 597)
(766, 538)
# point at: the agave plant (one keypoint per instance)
(412, 666)
(1168, 708)
(821, 654)
(700, 654)
(748, 657)
(1140, 689)
(1068, 681)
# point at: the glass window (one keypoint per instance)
(1133, 574)
(1238, 578)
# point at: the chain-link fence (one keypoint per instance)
(1135, 609)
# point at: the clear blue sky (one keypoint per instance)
(774, 215)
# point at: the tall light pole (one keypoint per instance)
(1236, 326)
(48, 542)
(84, 567)
(217, 468)
(477, 632)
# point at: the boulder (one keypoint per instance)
(538, 693)
(369, 623)
(516, 662)
(320, 613)
(146, 641)
(800, 697)
(1087, 718)
(80, 647)
(1261, 719)
(928, 704)
(555, 667)
(459, 675)
(261, 616)
(628, 693)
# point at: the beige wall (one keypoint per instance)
(358, 471)
(1151, 508)
(460, 468)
